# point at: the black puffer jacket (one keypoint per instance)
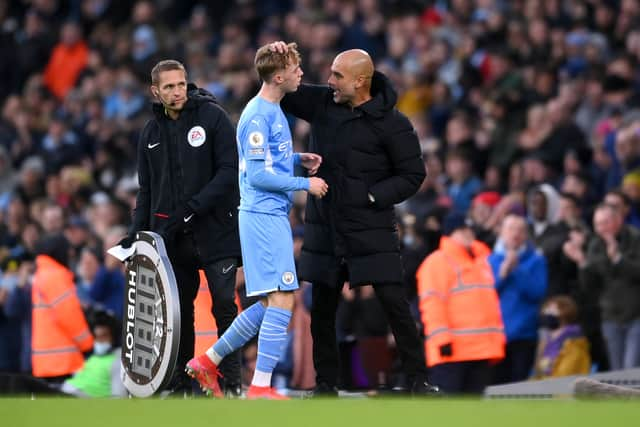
(191, 160)
(369, 149)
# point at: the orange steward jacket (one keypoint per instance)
(459, 304)
(60, 333)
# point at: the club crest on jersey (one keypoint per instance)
(196, 136)
(256, 139)
(287, 277)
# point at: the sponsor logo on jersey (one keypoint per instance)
(256, 139)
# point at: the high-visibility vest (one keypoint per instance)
(459, 304)
(60, 333)
(205, 326)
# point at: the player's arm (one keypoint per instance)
(264, 178)
(225, 159)
(260, 172)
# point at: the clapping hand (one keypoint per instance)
(613, 250)
(509, 263)
(572, 248)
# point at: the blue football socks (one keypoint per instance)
(271, 342)
(243, 328)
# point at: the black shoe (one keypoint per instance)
(232, 391)
(423, 388)
(323, 390)
(180, 386)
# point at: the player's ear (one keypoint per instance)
(154, 91)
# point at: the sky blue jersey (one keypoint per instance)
(266, 159)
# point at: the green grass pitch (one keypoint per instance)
(41, 412)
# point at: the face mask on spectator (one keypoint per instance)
(549, 321)
(101, 348)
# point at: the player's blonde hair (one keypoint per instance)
(267, 62)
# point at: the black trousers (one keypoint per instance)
(517, 363)
(462, 377)
(323, 330)
(221, 277)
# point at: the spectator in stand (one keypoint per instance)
(610, 268)
(463, 185)
(521, 281)
(631, 189)
(17, 306)
(480, 213)
(563, 349)
(68, 59)
(621, 201)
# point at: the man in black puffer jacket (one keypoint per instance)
(372, 160)
(188, 173)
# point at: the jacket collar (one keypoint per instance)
(383, 96)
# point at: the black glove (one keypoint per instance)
(178, 221)
(127, 241)
(446, 350)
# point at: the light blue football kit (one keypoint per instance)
(266, 164)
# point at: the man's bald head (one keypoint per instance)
(351, 74)
(358, 61)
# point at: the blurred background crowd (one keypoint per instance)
(522, 107)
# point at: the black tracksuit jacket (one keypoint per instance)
(192, 160)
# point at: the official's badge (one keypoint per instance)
(196, 136)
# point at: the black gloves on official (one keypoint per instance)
(127, 241)
(446, 350)
(178, 221)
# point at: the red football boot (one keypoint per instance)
(206, 373)
(268, 393)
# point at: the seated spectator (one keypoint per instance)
(563, 349)
(100, 375)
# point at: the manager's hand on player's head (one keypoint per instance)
(318, 187)
(278, 46)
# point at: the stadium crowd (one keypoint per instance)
(525, 109)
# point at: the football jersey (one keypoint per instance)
(264, 138)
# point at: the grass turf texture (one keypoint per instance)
(48, 412)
